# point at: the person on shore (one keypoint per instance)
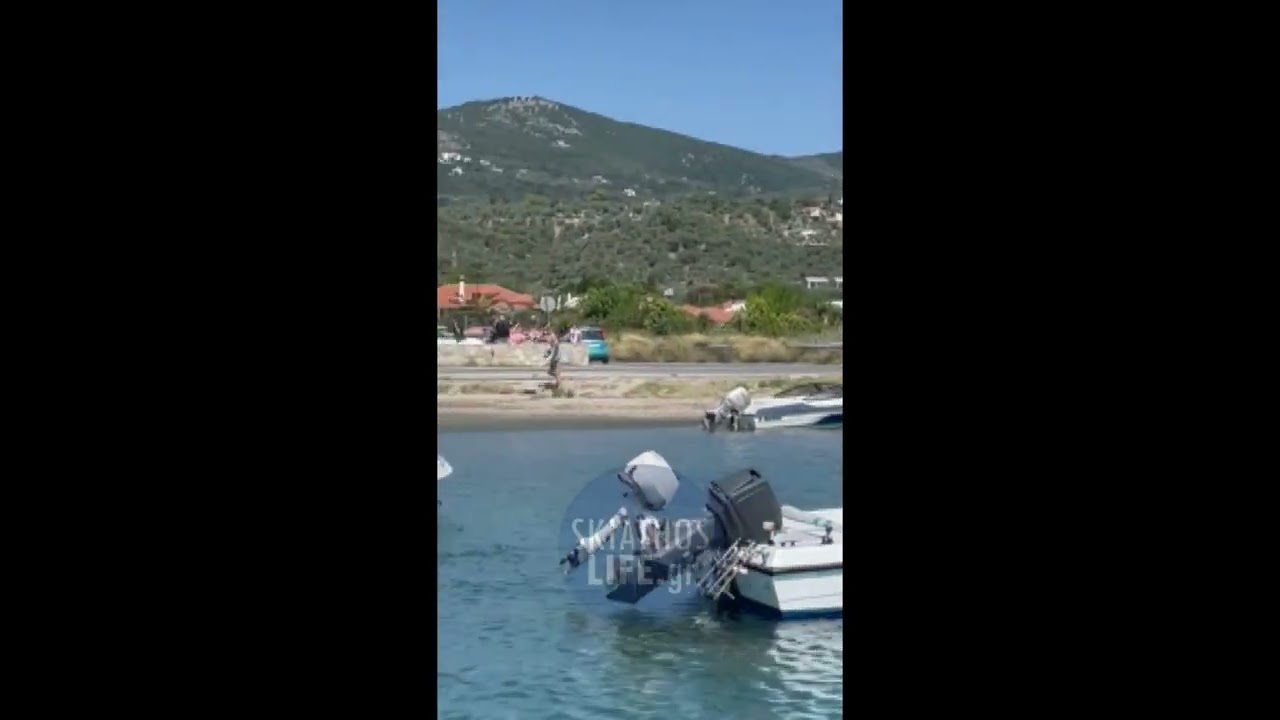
(553, 355)
(501, 330)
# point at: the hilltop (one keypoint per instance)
(512, 147)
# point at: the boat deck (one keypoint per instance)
(806, 534)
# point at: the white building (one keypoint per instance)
(818, 283)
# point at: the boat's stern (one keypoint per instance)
(801, 573)
(730, 413)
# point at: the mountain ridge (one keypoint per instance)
(510, 147)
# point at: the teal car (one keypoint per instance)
(597, 349)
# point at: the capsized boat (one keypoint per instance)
(747, 550)
(806, 405)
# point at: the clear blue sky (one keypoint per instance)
(764, 75)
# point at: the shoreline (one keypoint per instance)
(501, 412)
(589, 402)
(472, 422)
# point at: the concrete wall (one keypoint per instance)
(502, 355)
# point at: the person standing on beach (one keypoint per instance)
(554, 355)
(501, 330)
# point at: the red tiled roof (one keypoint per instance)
(717, 315)
(447, 296)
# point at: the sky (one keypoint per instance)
(764, 75)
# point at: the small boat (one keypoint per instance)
(806, 405)
(748, 551)
(443, 470)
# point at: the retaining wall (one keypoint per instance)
(503, 355)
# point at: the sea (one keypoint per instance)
(515, 641)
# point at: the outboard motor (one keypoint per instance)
(649, 483)
(729, 412)
(742, 507)
(741, 504)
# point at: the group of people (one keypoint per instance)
(505, 332)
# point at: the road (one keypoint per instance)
(643, 370)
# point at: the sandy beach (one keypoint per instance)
(491, 412)
(609, 403)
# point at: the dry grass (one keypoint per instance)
(509, 387)
(634, 347)
(712, 389)
(489, 388)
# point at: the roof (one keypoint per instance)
(717, 315)
(447, 296)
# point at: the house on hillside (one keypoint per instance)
(823, 283)
(478, 297)
(559, 302)
(718, 314)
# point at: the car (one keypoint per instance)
(597, 347)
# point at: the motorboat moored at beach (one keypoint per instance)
(747, 551)
(805, 405)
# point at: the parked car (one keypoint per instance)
(597, 347)
(444, 337)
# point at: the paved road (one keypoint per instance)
(634, 370)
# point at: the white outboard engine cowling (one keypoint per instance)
(729, 411)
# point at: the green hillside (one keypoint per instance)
(829, 165)
(514, 146)
(540, 244)
(538, 196)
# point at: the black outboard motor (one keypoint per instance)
(741, 504)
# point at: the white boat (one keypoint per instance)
(748, 551)
(806, 405)
(443, 470)
(801, 573)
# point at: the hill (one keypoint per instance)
(512, 147)
(827, 164)
(540, 244)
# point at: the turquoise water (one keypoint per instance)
(516, 643)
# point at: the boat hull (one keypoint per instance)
(807, 413)
(793, 594)
(825, 418)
